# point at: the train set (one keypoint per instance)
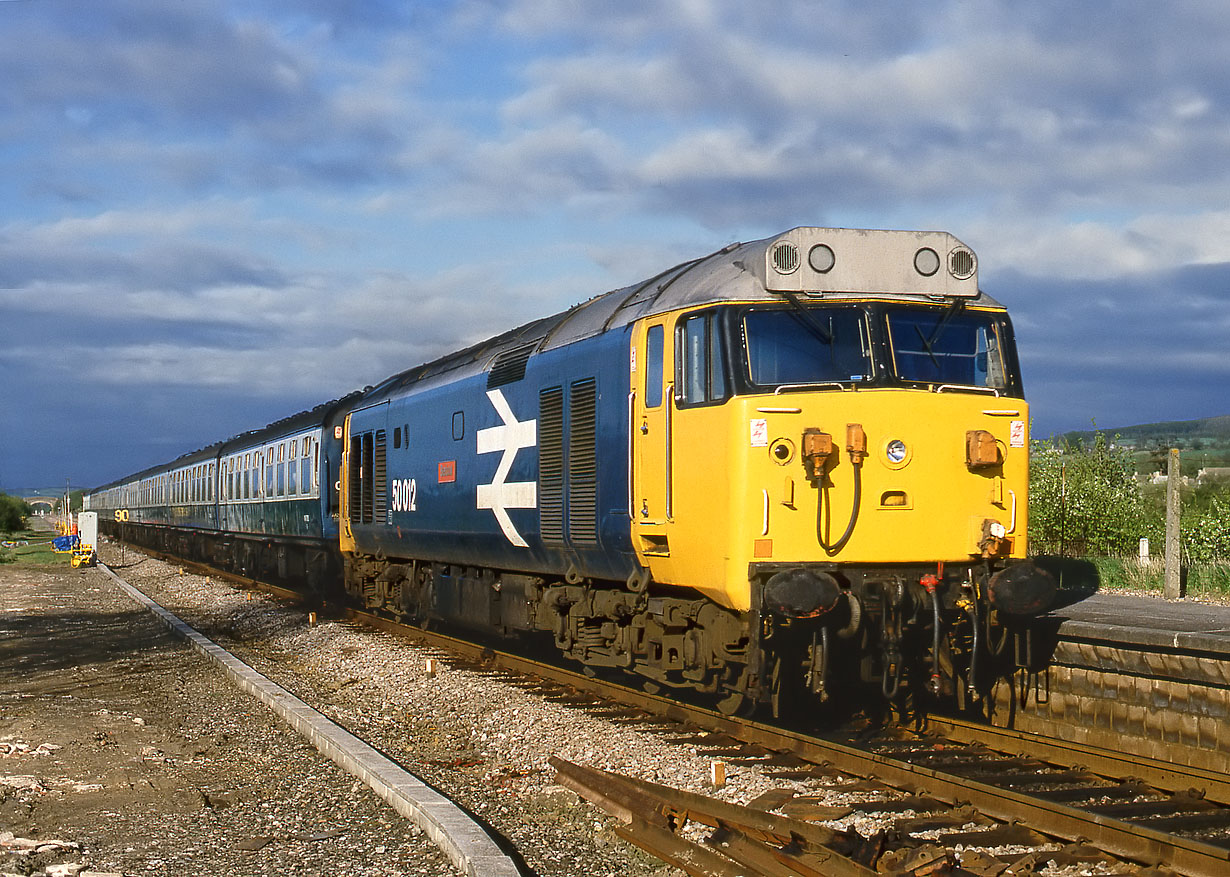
(792, 467)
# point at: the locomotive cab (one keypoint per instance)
(847, 454)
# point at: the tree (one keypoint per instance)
(13, 513)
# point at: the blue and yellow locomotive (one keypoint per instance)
(728, 477)
(793, 455)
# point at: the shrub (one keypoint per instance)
(13, 513)
(1084, 499)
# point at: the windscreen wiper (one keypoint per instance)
(929, 343)
(813, 323)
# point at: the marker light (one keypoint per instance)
(895, 451)
(926, 262)
(821, 258)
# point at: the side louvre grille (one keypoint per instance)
(354, 488)
(360, 476)
(380, 479)
(582, 465)
(551, 465)
(509, 366)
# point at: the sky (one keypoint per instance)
(213, 214)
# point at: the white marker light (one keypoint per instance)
(926, 262)
(821, 258)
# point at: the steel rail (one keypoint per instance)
(1105, 762)
(754, 838)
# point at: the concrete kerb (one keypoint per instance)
(458, 836)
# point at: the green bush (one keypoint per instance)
(1206, 534)
(13, 513)
(1084, 499)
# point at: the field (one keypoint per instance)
(37, 551)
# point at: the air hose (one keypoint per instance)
(832, 549)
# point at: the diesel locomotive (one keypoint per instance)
(791, 466)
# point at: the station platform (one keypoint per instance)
(1115, 669)
(1152, 622)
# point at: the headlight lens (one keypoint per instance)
(895, 451)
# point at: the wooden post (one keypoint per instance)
(1172, 591)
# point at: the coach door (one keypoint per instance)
(651, 409)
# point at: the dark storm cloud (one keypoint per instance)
(144, 62)
(1123, 351)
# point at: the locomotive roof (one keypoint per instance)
(864, 264)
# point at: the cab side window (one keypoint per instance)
(700, 360)
(653, 366)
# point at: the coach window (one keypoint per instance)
(653, 366)
(700, 368)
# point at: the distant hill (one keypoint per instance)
(1201, 443)
(1214, 428)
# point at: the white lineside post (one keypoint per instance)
(1172, 589)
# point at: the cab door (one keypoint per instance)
(652, 392)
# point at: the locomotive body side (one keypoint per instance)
(526, 473)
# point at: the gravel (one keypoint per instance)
(239, 794)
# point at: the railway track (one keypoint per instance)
(955, 788)
(1020, 790)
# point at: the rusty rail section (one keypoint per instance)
(750, 841)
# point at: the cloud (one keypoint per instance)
(261, 205)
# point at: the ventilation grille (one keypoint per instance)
(961, 263)
(380, 479)
(369, 481)
(785, 258)
(551, 465)
(360, 478)
(582, 462)
(509, 366)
